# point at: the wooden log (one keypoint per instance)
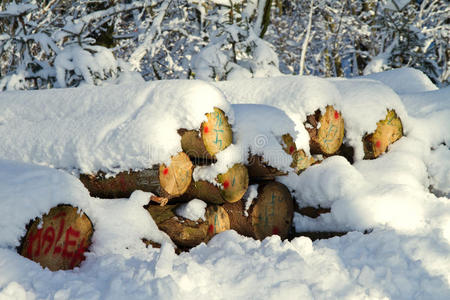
(300, 161)
(388, 131)
(186, 233)
(271, 212)
(59, 239)
(259, 170)
(214, 136)
(232, 186)
(327, 137)
(164, 181)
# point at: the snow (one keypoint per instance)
(193, 210)
(28, 191)
(114, 128)
(398, 240)
(364, 103)
(249, 196)
(404, 80)
(297, 96)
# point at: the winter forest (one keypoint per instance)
(62, 43)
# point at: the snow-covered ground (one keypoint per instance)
(405, 253)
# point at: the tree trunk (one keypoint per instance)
(168, 182)
(388, 131)
(326, 131)
(215, 135)
(270, 213)
(59, 239)
(186, 233)
(232, 186)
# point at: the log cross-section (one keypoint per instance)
(271, 212)
(215, 135)
(388, 131)
(326, 131)
(59, 239)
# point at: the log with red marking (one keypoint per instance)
(165, 181)
(59, 239)
(271, 212)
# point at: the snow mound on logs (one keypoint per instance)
(29, 191)
(112, 128)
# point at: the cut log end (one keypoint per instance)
(217, 220)
(388, 131)
(327, 137)
(300, 161)
(273, 211)
(216, 132)
(234, 183)
(270, 213)
(59, 239)
(176, 177)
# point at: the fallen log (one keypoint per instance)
(388, 131)
(187, 233)
(232, 186)
(214, 136)
(271, 212)
(164, 181)
(326, 131)
(59, 239)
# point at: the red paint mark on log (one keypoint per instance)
(123, 184)
(378, 144)
(68, 242)
(166, 171)
(206, 129)
(211, 229)
(275, 230)
(226, 184)
(291, 149)
(336, 115)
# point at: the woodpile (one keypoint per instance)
(59, 239)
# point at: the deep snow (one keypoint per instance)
(404, 255)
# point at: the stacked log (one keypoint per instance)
(231, 187)
(165, 181)
(326, 131)
(215, 135)
(187, 233)
(270, 213)
(388, 131)
(59, 239)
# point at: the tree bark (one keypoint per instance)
(168, 182)
(271, 212)
(232, 186)
(327, 137)
(59, 239)
(388, 131)
(215, 135)
(186, 233)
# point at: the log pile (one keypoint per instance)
(64, 235)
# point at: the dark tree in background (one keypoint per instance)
(59, 43)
